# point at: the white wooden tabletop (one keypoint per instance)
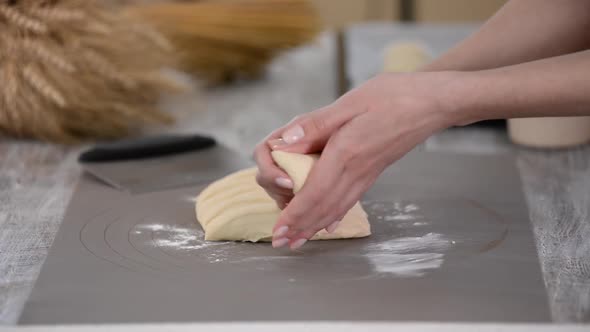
(37, 179)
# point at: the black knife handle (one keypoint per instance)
(145, 147)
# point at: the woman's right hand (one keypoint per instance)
(359, 135)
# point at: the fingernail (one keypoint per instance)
(298, 244)
(280, 242)
(276, 143)
(293, 134)
(280, 232)
(284, 182)
(332, 227)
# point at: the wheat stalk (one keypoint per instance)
(57, 14)
(227, 38)
(43, 52)
(37, 80)
(73, 70)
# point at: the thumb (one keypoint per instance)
(309, 133)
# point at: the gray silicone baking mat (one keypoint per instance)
(451, 242)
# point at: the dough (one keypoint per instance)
(236, 208)
(401, 57)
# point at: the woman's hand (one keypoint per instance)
(358, 136)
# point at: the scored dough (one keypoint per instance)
(236, 208)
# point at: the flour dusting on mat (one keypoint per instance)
(177, 237)
(400, 217)
(395, 255)
(409, 256)
(391, 211)
(405, 215)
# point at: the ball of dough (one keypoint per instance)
(403, 57)
(236, 208)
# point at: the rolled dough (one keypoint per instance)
(236, 208)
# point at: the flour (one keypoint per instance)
(400, 217)
(153, 227)
(406, 265)
(405, 215)
(393, 211)
(408, 256)
(179, 238)
(190, 199)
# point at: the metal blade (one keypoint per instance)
(147, 175)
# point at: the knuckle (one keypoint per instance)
(321, 219)
(345, 149)
(293, 215)
(293, 232)
(319, 191)
(349, 99)
(315, 124)
(308, 234)
(316, 196)
(350, 155)
(297, 119)
(324, 210)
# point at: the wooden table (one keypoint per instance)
(37, 179)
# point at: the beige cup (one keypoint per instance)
(550, 132)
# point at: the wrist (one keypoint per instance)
(459, 97)
(453, 100)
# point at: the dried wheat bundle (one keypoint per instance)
(73, 70)
(221, 39)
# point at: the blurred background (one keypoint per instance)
(82, 71)
(340, 13)
(79, 71)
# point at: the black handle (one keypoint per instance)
(145, 147)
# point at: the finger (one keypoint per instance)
(281, 196)
(319, 126)
(275, 140)
(333, 211)
(333, 186)
(318, 204)
(310, 203)
(270, 176)
(267, 183)
(315, 205)
(351, 194)
(309, 133)
(280, 200)
(333, 226)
